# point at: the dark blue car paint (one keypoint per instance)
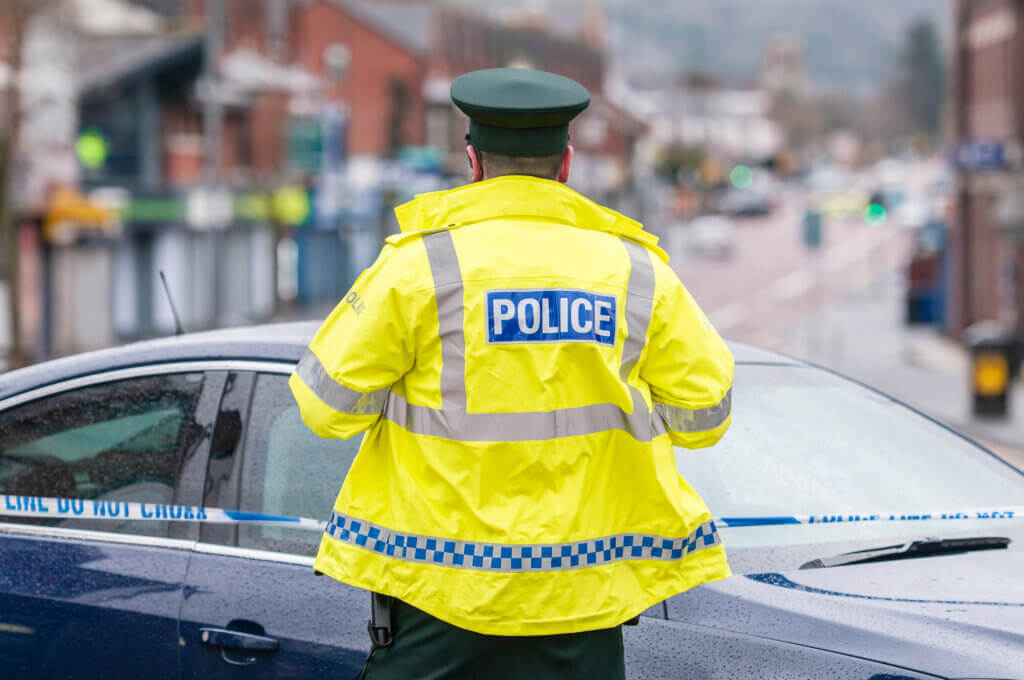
(781, 581)
(98, 608)
(958, 616)
(320, 623)
(669, 650)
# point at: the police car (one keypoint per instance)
(113, 465)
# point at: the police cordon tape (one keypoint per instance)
(79, 508)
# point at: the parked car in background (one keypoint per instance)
(710, 236)
(914, 211)
(208, 420)
(747, 202)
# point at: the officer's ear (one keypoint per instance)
(475, 166)
(563, 170)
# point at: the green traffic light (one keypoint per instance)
(875, 214)
(741, 177)
(91, 148)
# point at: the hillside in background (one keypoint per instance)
(848, 44)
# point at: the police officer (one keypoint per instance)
(522, 361)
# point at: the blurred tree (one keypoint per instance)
(398, 108)
(923, 76)
(14, 15)
(678, 162)
(798, 114)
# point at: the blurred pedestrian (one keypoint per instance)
(522, 360)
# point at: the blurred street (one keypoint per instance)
(850, 210)
(254, 251)
(863, 336)
(842, 306)
(754, 299)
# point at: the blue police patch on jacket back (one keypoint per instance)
(550, 315)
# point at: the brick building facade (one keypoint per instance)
(988, 129)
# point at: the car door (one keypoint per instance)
(253, 606)
(85, 598)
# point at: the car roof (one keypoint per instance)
(282, 342)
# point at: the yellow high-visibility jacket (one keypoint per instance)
(522, 361)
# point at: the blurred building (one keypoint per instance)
(466, 40)
(727, 124)
(251, 150)
(783, 68)
(987, 116)
(219, 134)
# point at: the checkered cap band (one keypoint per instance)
(518, 557)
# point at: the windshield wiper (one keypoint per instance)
(905, 551)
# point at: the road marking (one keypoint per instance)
(766, 338)
(840, 258)
(791, 285)
(728, 316)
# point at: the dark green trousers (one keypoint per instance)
(426, 648)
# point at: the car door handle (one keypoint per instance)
(233, 639)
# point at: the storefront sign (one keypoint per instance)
(981, 155)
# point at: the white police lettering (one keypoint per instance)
(550, 315)
(502, 311)
(602, 315)
(528, 305)
(581, 324)
(545, 316)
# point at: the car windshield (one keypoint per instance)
(804, 441)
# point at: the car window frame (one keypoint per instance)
(204, 543)
(188, 488)
(257, 465)
(227, 534)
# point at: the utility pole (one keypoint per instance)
(961, 236)
(211, 92)
(212, 131)
(16, 17)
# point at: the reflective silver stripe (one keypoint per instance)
(453, 421)
(336, 395)
(506, 557)
(639, 304)
(515, 427)
(682, 419)
(444, 266)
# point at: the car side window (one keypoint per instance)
(287, 470)
(118, 441)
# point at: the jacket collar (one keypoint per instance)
(515, 196)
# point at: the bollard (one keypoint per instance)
(993, 349)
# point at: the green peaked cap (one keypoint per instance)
(517, 111)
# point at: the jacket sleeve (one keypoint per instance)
(360, 351)
(687, 366)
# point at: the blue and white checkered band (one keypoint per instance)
(516, 557)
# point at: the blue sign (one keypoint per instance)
(983, 154)
(551, 315)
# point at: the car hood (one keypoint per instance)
(955, 616)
